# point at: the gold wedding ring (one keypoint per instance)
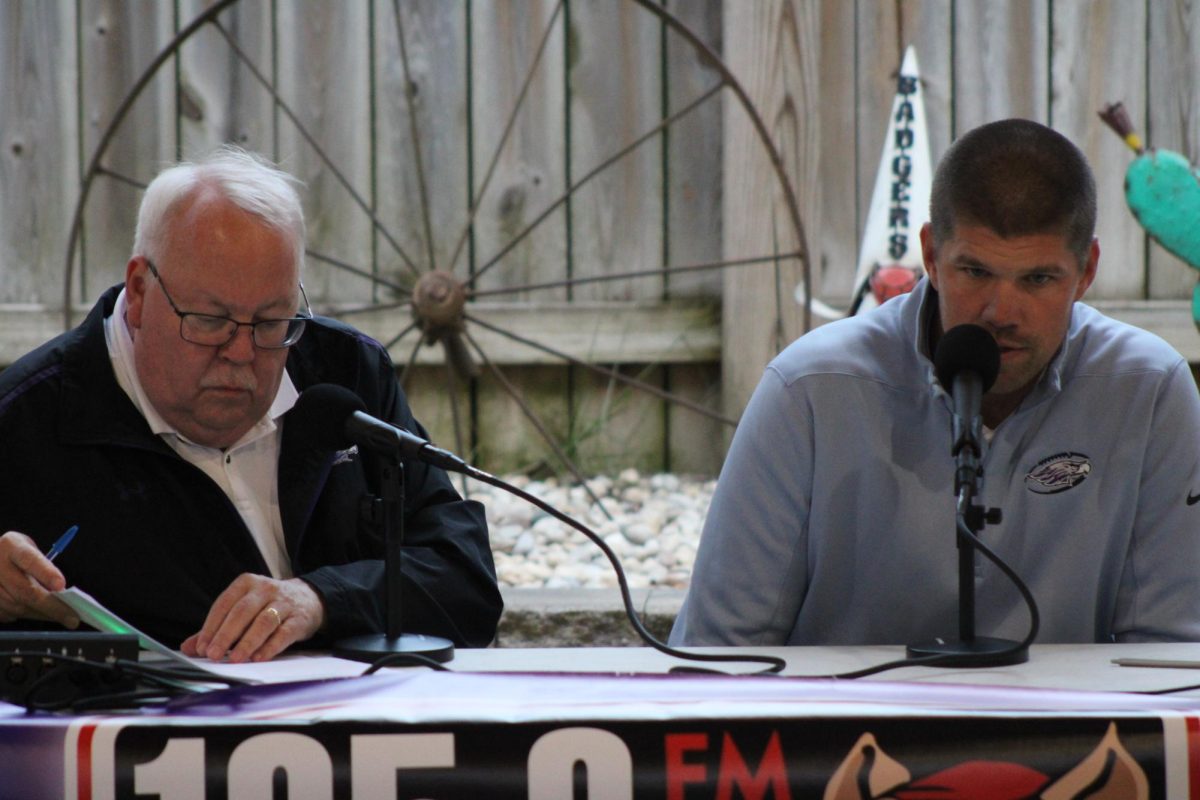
(272, 611)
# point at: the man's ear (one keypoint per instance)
(136, 281)
(1089, 269)
(929, 254)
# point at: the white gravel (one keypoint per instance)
(654, 528)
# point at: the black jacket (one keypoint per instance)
(158, 540)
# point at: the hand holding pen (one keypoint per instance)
(28, 580)
(61, 543)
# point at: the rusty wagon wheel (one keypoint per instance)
(438, 278)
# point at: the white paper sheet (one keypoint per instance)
(93, 613)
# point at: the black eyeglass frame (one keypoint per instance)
(295, 329)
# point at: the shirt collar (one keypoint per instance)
(120, 352)
(919, 310)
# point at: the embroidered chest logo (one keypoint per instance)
(1058, 473)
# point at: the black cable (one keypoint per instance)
(775, 664)
(1172, 690)
(954, 659)
(404, 660)
(81, 676)
(181, 672)
(948, 659)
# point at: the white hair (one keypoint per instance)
(246, 179)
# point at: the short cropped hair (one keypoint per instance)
(1017, 178)
(248, 180)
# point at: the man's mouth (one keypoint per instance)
(239, 384)
(1007, 349)
(229, 390)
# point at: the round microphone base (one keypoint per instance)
(979, 652)
(374, 646)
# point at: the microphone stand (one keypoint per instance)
(388, 509)
(970, 518)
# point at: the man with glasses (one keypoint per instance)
(160, 428)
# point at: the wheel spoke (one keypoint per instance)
(371, 276)
(508, 129)
(350, 311)
(760, 128)
(607, 372)
(312, 142)
(412, 357)
(530, 51)
(605, 164)
(122, 178)
(414, 135)
(118, 117)
(475, 294)
(452, 393)
(536, 422)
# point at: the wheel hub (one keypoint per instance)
(438, 301)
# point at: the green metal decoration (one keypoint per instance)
(1162, 189)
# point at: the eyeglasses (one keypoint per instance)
(211, 330)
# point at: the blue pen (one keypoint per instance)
(61, 544)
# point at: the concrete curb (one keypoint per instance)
(583, 617)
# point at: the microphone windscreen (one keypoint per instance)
(966, 347)
(321, 412)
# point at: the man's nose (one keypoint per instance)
(1003, 306)
(240, 349)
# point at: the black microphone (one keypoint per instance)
(332, 416)
(335, 415)
(966, 361)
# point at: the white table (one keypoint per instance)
(530, 723)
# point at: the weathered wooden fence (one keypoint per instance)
(589, 78)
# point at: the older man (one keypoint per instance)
(160, 427)
(833, 520)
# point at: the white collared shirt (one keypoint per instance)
(245, 471)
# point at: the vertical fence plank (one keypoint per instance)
(693, 151)
(507, 441)
(324, 77)
(435, 91)
(429, 399)
(422, 176)
(1086, 76)
(771, 47)
(222, 100)
(1173, 117)
(614, 80)
(614, 426)
(119, 41)
(835, 233)
(39, 164)
(529, 174)
(1001, 64)
(694, 180)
